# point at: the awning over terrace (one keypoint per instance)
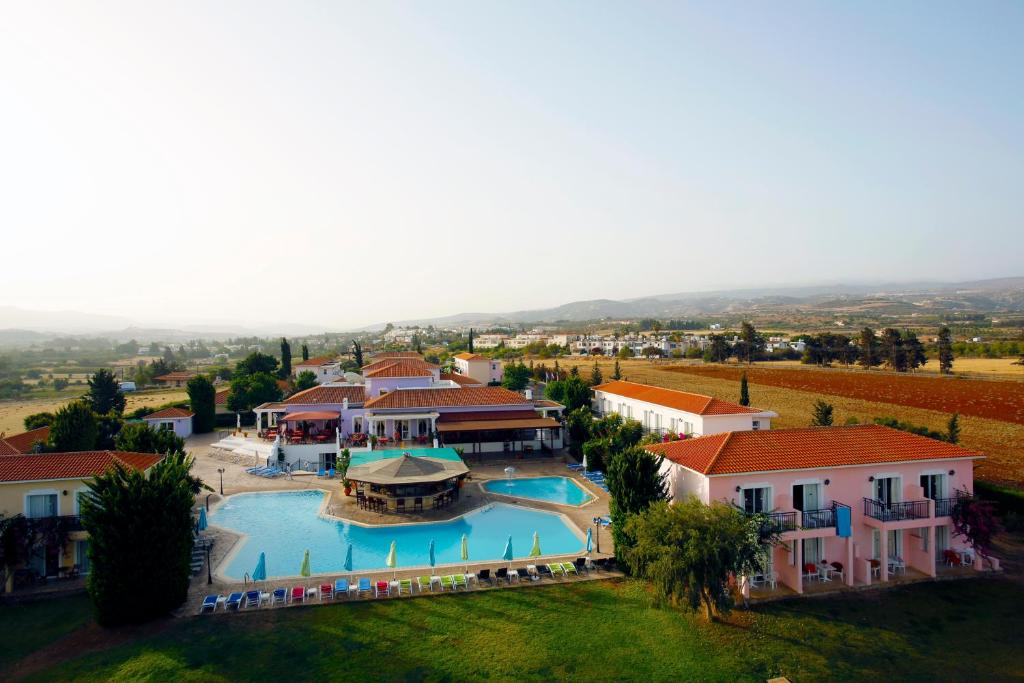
(489, 425)
(309, 415)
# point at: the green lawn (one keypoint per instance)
(961, 630)
(30, 626)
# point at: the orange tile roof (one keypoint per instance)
(16, 444)
(168, 413)
(396, 354)
(470, 356)
(319, 360)
(400, 368)
(806, 448)
(447, 398)
(175, 376)
(82, 465)
(461, 380)
(698, 404)
(221, 397)
(327, 394)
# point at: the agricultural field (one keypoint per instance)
(986, 368)
(1001, 440)
(13, 413)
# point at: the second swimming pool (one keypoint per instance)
(284, 524)
(561, 490)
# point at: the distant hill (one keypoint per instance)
(1002, 294)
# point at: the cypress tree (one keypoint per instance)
(305, 352)
(822, 415)
(357, 352)
(74, 428)
(595, 375)
(953, 429)
(104, 393)
(286, 358)
(945, 351)
(471, 340)
(617, 372)
(744, 391)
(202, 399)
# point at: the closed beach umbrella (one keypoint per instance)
(464, 554)
(304, 569)
(507, 555)
(590, 541)
(584, 462)
(535, 550)
(433, 560)
(392, 560)
(348, 558)
(260, 573)
(202, 519)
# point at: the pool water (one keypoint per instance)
(284, 524)
(561, 490)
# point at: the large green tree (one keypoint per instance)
(249, 391)
(577, 393)
(945, 347)
(750, 343)
(821, 414)
(74, 428)
(305, 380)
(578, 424)
(202, 398)
(139, 437)
(104, 395)
(256, 363)
(516, 376)
(893, 352)
(689, 551)
(717, 351)
(286, 358)
(868, 344)
(357, 353)
(635, 481)
(37, 420)
(914, 351)
(140, 539)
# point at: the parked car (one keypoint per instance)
(127, 386)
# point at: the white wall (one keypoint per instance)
(606, 403)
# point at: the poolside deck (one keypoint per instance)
(472, 496)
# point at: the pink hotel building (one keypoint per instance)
(873, 500)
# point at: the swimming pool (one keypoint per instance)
(283, 524)
(561, 490)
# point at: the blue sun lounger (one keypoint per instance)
(279, 596)
(252, 600)
(209, 604)
(364, 586)
(234, 601)
(340, 588)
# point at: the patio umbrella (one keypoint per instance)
(201, 525)
(304, 569)
(535, 550)
(433, 560)
(392, 560)
(348, 559)
(464, 554)
(507, 555)
(260, 573)
(590, 540)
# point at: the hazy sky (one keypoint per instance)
(346, 163)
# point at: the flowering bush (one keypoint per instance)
(975, 520)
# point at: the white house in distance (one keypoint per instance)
(176, 420)
(677, 412)
(325, 368)
(480, 368)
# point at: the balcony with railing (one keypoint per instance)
(896, 512)
(773, 523)
(824, 518)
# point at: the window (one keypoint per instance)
(82, 557)
(887, 490)
(167, 426)
(357, 425)
(755, 425)
(687, 428)
(328, 461)
(41, 505)
(934, 485)
(756, 499)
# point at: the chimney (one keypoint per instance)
(344, 404)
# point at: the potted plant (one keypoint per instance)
(347, 486)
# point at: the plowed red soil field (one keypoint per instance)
(997, 400)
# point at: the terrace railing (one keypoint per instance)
(896, 512)
(776, 522)
(944, 506)
(823, 518)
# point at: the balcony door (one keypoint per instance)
(887, 490)
(757, 500)
(807, 497)
(41, 505)
(934, 485)
(813, 549)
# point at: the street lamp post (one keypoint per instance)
(209, 570)
(597, 536)
(220, 471)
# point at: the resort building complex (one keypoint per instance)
(854, 503)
